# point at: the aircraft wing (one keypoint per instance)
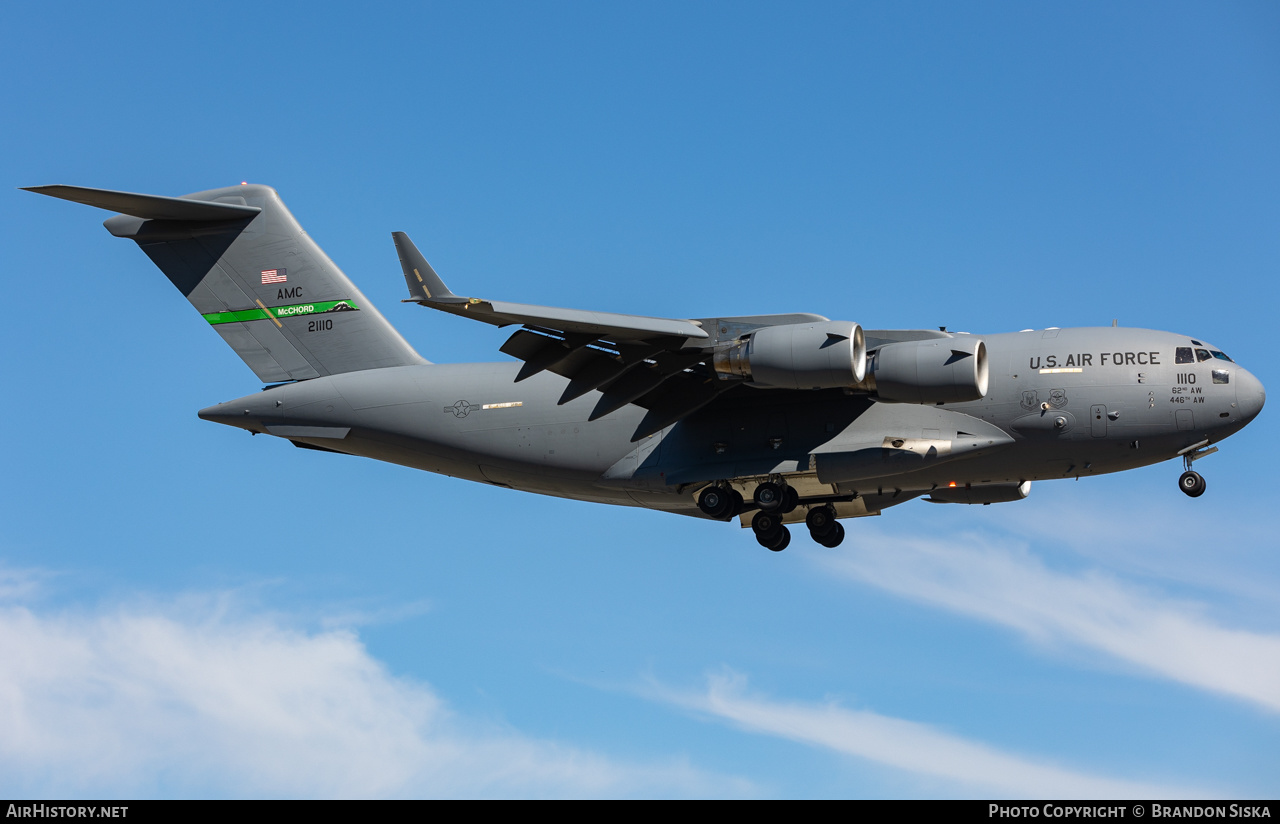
(426, 288)
(660, 364)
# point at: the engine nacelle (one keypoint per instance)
(822, 355)
(980, 493)
(938, 370)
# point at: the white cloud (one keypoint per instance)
(1226, 553)
(1006, 585)
(910, 746)
(18, 584)
(191, 700)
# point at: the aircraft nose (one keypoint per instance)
(1249, 394)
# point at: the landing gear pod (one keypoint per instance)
(945, 370)
(825, 355)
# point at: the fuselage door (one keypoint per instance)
(1098, 420)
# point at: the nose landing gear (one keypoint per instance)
(1191, 482)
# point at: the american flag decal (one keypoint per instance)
(274, 275)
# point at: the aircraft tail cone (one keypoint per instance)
(232, 413)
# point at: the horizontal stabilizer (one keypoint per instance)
(149, 207)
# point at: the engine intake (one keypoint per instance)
(824, 355)
(942, 370)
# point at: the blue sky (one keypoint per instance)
(187, 611)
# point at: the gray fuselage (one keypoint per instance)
(1061, 403)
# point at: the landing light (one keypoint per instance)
(952, 484)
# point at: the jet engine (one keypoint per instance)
(980, 493)
(939, 370)
(824, 355)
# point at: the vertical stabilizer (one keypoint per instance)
(257, 278)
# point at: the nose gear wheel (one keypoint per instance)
(1192, 484)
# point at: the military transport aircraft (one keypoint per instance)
(769, 419)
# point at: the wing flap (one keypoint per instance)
(676, 398)
(642, 380)
(539, 351)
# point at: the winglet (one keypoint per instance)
(424, 284)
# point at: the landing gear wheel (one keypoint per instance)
(716, 501)
(790, 500)
(1192, 484)
(736, 509)
(769, 496)
(833, 538)
(766, 525)
(779, 543)
(821, 520)
(770, 532)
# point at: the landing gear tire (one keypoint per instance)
(770, 532)
(821, 520)
(790, 500)
(779, 543)
(766, 524)
(833, 538)
(770, 496)
(738, 504)
(716, 502)
(1192, 484)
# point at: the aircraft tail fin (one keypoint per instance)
(256, 277)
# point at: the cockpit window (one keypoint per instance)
(1221, 356)
(1203, 355)
(1221, 376)
(1183, 355)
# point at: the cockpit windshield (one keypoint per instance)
(1185, 354)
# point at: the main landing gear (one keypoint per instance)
(821, 520)
(775, 497)
(1191, 482)
(770, 532)
(773, 500)
(823, 526)
(720, 502)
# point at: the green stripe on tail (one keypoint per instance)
(317, 308)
